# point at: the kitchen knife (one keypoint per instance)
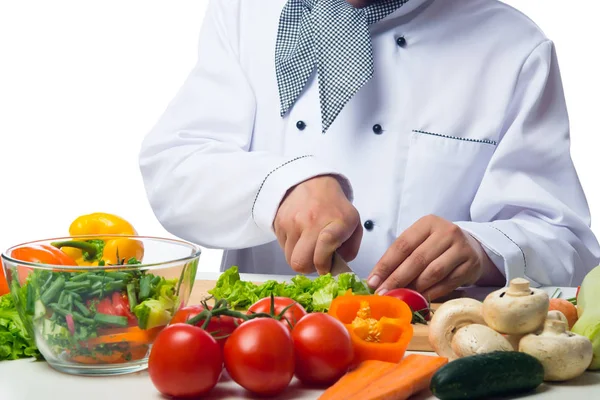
(339, 266)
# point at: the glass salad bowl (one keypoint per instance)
(94, 305)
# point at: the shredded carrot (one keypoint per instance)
(115, 356)
(364, 374)
(411, 376)
(131, 335)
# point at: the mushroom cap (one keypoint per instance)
(478, 339)
(448, 319)
(563, 354)
(516, 310)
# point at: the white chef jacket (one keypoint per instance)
(464, 118)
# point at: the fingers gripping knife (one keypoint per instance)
(339, 266)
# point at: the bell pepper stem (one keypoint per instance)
(91, 248)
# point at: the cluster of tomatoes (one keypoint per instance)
(261, 354)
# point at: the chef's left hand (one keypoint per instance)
(434, 257)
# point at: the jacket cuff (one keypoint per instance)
(281, 179)
(500, 240)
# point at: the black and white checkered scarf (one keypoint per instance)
(334, 37)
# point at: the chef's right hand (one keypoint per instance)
(314, 220)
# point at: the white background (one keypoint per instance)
(81, 83)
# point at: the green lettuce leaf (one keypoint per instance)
(15, 341)
(313, 295)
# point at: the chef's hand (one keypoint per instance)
(313, 221)
(434, 257)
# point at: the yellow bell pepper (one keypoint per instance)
(103, 249)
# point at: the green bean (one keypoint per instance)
(30, 305)
(84, 310)
(78, 277)
(131, 296)
(75, 296)
(101, 278)
(80, 318)
(155, 281)
(119, 275)
(77, 285)
(53, 291)
(96, 285)
(145, 287)
(114, 286)
(110, 319)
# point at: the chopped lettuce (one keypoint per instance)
(15, 341)
(313, 295)
(157, 311)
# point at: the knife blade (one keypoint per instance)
(340, 266)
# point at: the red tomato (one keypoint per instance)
(117, 304)
(104, 306)
(120, 303)
(413, 299)
(185, 361)
(322, 348)
(220, 327)
(259, 356)
(293, 314)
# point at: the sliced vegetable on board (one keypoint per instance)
(485, 376)
(314, 295)
(588, 307)
(380, 326)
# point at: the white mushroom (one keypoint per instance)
(448, 319)
(552, 315)
(564, 355)
(557, 316)
(516, 310)
(478, 339)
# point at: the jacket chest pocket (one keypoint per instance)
(442, 175)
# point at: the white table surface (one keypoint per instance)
(29, 380)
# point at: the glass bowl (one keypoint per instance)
(93, 311)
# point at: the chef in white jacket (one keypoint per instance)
(426, 141)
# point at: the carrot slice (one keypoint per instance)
(115, 356)
(411, 376)
(128, 335)
(355, 380)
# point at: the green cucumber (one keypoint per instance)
(483, 376)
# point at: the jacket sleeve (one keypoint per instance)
(530, 212)
(202, 181)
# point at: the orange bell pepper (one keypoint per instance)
(3, 282)
(40, 254)
(380, 326)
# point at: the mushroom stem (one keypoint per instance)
(518, 287)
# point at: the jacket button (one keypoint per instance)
(300, 125)
(369, 225)
(377, 129)
(401, 41)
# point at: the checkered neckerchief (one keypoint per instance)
(333, 36)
